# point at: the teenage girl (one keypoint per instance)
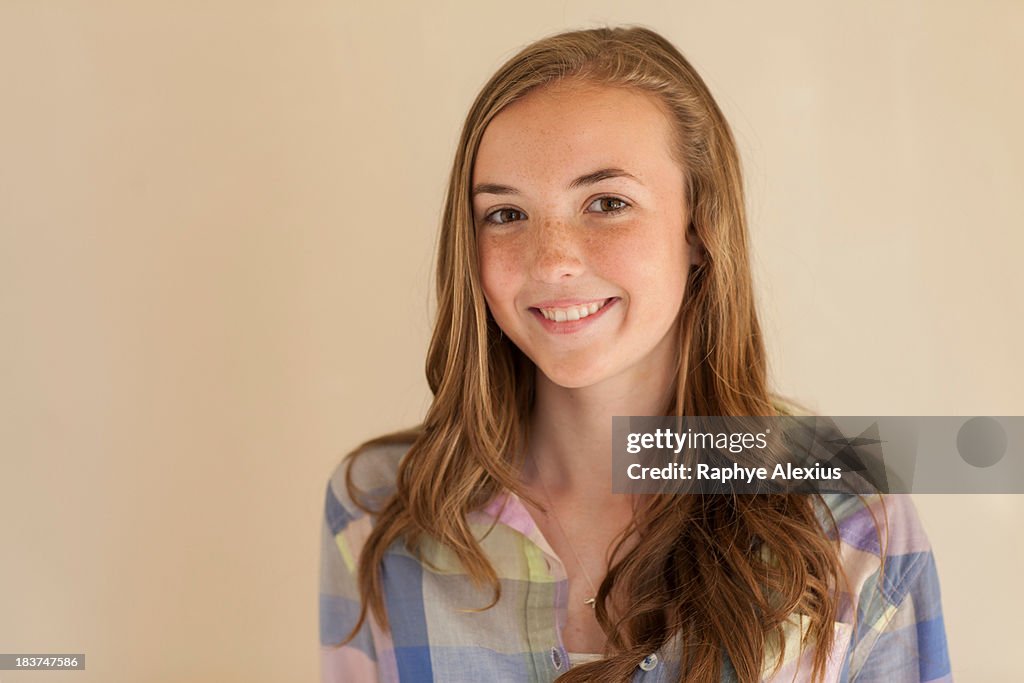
(593, 262)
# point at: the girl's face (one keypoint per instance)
(581, 223)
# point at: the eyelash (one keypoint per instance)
(625, 205)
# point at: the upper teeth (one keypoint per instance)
(560, 315)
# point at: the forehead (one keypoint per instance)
(563, 129)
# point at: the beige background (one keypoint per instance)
(216, 233)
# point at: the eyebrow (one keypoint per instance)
(586, 179)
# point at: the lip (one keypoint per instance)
(571, 326)
(566, 303)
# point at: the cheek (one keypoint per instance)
(658, 251)
(498, 273)
(652, 270)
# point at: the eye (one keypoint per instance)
(501, 216)
(608, 205)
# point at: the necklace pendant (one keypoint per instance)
(592, 602)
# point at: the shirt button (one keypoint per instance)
(649, 662)
(556, 658)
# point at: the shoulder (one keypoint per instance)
(884, 550)
(371, 469)
(894, 598)
(884, 525)
(369, 474)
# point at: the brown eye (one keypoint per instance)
(607, 205)
(505, 216)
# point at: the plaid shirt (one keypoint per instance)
(436, 636)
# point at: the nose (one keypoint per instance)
(556, 253)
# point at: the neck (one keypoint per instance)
(571, 430)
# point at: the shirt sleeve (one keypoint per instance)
(901, 636)
(355, 661)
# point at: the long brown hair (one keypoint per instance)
(721, 573)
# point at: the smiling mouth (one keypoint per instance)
(563, 314)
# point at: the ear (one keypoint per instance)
(698, 255)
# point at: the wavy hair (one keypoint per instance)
(721, 573)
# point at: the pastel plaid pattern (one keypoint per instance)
(439, 634)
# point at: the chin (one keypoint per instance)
(573, 376)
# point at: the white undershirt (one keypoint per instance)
(576, 658)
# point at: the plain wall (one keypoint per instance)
(217, 224)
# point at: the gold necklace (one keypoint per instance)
(592, 601)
